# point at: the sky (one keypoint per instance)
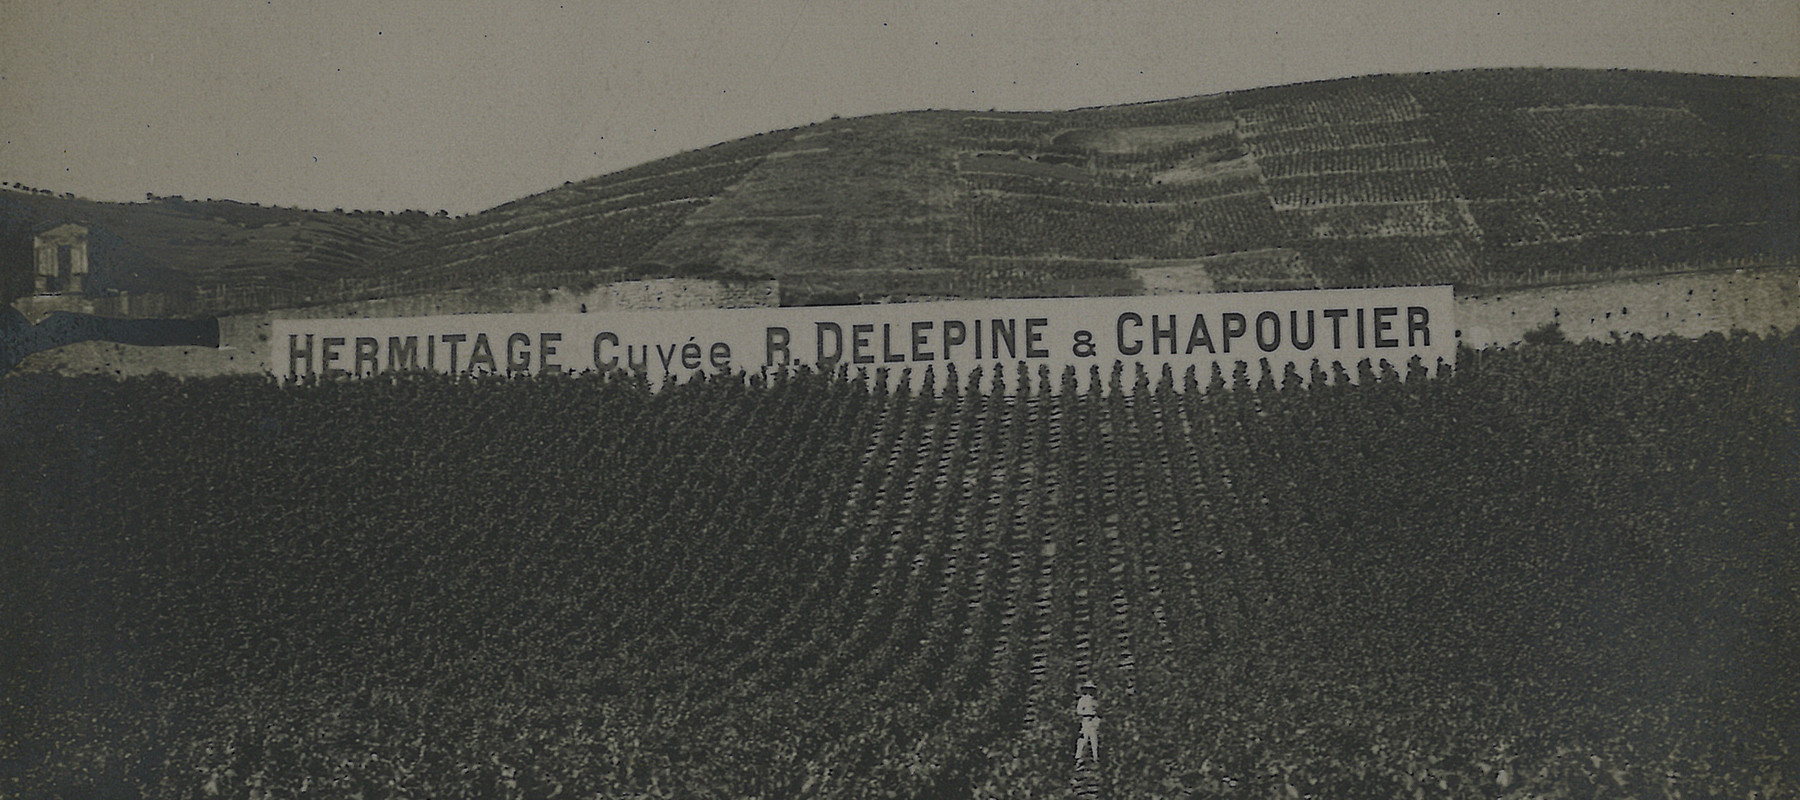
(462, 106)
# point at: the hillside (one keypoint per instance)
(1496, 178)
(177, 246)
(1486, 179)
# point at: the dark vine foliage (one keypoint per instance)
(1560, 571)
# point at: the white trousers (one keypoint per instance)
(1090, 738)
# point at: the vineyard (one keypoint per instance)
(1487, 179)
(1551, 571)
(1048, 226)
(605, 225)
(1493, 178)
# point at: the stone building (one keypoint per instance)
(60, 255)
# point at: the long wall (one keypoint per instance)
(1690, 304)
(244, 339)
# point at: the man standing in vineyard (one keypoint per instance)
(1088, 709)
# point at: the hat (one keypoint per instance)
(1088, 685)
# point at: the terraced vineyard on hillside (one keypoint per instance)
(1482, 179)
(1485, 179)
(1560, 571)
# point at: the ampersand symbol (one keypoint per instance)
(1084, 344)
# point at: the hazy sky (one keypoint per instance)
(462, 106)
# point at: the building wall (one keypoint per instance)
(1686, 305)
(680, 294)
(46, 247)
(244, 339)
(125, 361)
(126, 306)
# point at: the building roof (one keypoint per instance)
(62, 229)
